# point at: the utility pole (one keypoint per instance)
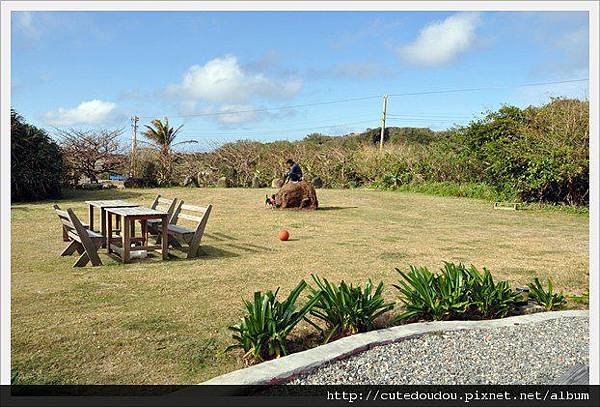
(383, 123)
(134, 124)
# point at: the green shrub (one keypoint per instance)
(347, 309)
(489, 299)
(263, 332)
(36, 162)
(430, 296)
(537, 154)
(456, 292)
(547, 298)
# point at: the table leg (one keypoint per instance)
(91, 217)
(109, 232)
(144, 226)
(125, 229)
(103, 222)
(132, 228)
(165, 238)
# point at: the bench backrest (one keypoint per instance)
(71, 222)
(190, 212)
(164, 204)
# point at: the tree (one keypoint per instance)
(90, 153)
(162, 139)
(36, 162)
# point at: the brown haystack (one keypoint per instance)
(298, 195)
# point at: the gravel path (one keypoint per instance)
(533, 353)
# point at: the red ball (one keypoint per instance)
(283, 235)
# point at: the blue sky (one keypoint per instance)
(96, 69)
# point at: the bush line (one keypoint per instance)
(456, 292)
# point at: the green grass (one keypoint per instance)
(466, 190)
(484, 192)
(166, 322)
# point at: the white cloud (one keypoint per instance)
(91, 112)
(25, 23)
(224, 80)
(441, 41)
(239, 114)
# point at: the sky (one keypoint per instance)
(282, 75)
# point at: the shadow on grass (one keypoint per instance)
(212, 252)
(221, 236)
(252, 248)
(335, 208)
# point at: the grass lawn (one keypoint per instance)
(166, 322)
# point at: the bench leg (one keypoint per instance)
(192, 250)
(73, 247)
(165, 237)
(194, 243)
(175, 243)
(82, 260)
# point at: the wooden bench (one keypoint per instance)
(163, 204)
(192, 237)
(83, 241)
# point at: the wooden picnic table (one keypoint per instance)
(128, 216)
(102, 205)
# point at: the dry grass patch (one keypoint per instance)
(166, 322)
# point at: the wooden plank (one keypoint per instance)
(90, 246)
(115, 203)
(193, 208)
(136, 211)
(166, 201)
(155, 202)
(190, 217)
(508, 206)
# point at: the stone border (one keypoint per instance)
(286, 368)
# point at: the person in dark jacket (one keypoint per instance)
(295, 172)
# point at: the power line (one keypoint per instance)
(222, 113)
(486, 88)
(260, 132)
(346, 100)
(408, 120)
(426, 116)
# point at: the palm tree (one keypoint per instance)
(162, 138)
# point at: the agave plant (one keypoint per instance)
(489, 299)
(429, 296)
(347, 309)
(547, 298)
(456, 292)
(263, 332)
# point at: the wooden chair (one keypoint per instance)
(83, 241)
(180, 234)
(65, 234)
(164, 204)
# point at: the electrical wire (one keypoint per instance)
(433, 92)
(268, 109)
(346, 100)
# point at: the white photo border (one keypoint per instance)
(592, 7)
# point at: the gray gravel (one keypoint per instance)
(533, 353)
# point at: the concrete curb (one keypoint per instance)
(285, 368)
